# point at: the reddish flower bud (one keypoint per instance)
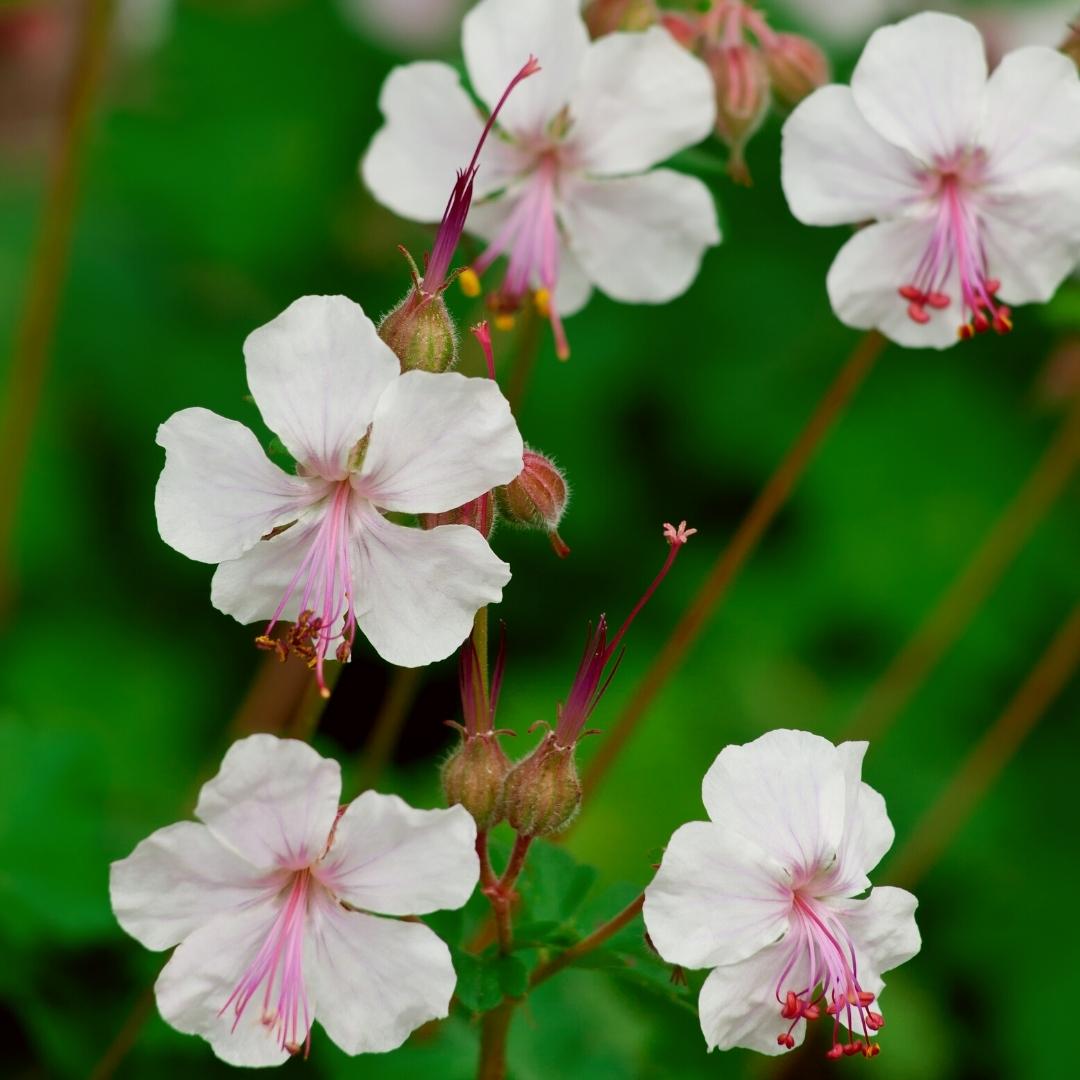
(474, 777)
(742, 99)
(479, 514)
(421, 333)
(536, 499)
(796, 66)
(543, 792)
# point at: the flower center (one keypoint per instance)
(530, 239)
(824, 956)
(279, 968)
(325, 578)
(956, 252)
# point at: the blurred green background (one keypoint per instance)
(220, 184)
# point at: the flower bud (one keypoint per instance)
(609, 16)
(536, 498)
(421, 333)
(474, 776)
(479, 514)
(543, 792)
(742, 99)
(796, 66)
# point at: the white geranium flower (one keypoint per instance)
(843, 21)
(315, 548)
(267, 902)
(764, 893)
(974, 183)
(568, 199)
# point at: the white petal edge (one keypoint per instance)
(498, 36)
(431, 129)
(274, 800)
(376, 980)
(418, 590)
(868, 832)
(392, 859)
(641, 239)
(716, 898)
(437, 441)
(836, 169)
(316, 373)
(178, 879)
(640, 99)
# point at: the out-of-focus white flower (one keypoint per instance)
(842, 21)
(267, 902)
(413, 26)
(315, 548)
(973, 182)
(765, 892)
(565, 194)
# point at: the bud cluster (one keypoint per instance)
(753, 66)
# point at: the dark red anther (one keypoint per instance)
(810, 1012)
(967, 332)
(981, 323)
(785, 1039)
(853, 1048)
(865, 998)
(792, 1006)
(918, 314)
(835, 1052)
(992, 285)
(871, 1050)
(937, 300)
(1003, 320)
(875, 1021)
(909, 292)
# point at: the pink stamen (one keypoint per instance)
(278, 967)
(832, 970)
(327, 594)
(956, 249)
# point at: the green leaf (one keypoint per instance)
(553, 884)
(479, 987)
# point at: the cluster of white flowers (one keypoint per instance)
(284, 907)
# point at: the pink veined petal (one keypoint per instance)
(316, 373)
(392, 859)
(640, 99)
(641, 239)
(921, 84)
(273, 800)
(219, 492)
(716, 898)
(376, 980)
(431, 128)
(837, 169)
(417, 591)
(865, 278)
(195, 985)
(498, 36)
(178, 879)
(784, 792)
(437, 441)
(738, 1005)
(883, 931)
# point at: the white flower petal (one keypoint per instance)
(1032, 118)
(641, 238)
(418, 590)
(573, 290)
(251, 588)
(394, 860)
(431, 130)
(784, 792)
(316, 372)
(176, 880)
(738, 1005)
(376, 980)
(498, 36)
(868, 832)
(837, 169)
(219, 492)
(640, 99)
(273, 800)
(867, 273)
(437, 441)
(921, 84)
(883, 931)
(715, 899)
(198, 980)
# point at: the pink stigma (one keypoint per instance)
(831, 982)
(676, 536)
(326, 578)
(956, 252)
(278, 967)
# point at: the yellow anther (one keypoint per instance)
(504, 321)
(542, 299)
(469, 281)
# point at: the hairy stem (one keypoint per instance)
(493, 1039)
(731, 560)
(502, 894)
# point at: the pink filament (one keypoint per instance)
(278, 966)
